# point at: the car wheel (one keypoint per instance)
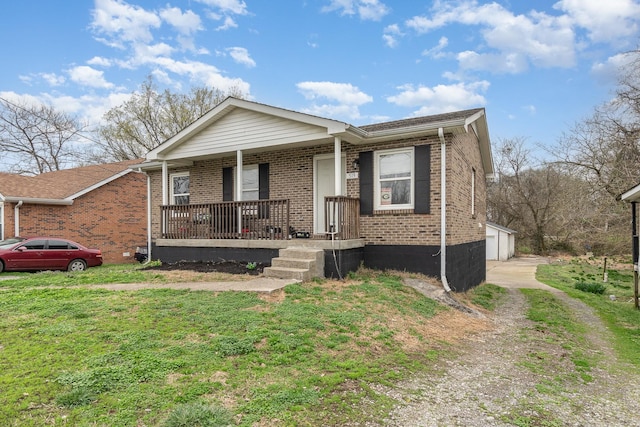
(1, 266)
(77, 265)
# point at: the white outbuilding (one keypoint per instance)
(501, 242)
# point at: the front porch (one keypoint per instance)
(257, 220)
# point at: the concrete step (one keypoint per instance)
(300, 274)
(297, 263)
(306, 264)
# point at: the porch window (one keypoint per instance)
(250, 183)
(394, 175)
(180, 188)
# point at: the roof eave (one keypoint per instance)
(38, 201)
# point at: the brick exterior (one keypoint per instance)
(291, 177)
(111, 218)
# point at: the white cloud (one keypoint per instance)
(53, 79)
(605, 21)
(228, 23)
(87, 76)
(186, 23)
(99, 61)
(343, 93)
(436, 51)
(391, 34)
(514, 41)
(367, 10)
(235, 7)
(609, 70)
(344, 99)
(122, 23)
(441, 98)
(241, 56)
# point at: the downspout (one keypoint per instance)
(443, 211)
(16, 218)
(148, 219)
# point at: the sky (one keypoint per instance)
(537, 67)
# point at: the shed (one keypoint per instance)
(501, 242)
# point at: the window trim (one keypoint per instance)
(376, 179)
(172, 193)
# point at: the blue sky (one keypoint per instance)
(537, 67)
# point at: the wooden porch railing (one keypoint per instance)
(342, 217)
(257, 219)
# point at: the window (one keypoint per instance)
(60, 244)
(35, 245)
(250, 183)
(394, 179)
(180, 188)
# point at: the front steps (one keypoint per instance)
(297, 263)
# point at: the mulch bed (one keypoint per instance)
(231, 267)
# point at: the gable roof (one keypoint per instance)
(237, 124)
(60, 187)
(500, 228)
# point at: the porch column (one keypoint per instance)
(239, 186)
(165, 183)
(337, 159)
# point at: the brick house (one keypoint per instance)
(247, 180)
(101, 206)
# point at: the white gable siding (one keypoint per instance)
(245, 130)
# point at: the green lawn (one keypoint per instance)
(583, 279)
(78, 356)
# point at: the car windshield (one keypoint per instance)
(10, 242)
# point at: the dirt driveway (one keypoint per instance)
(516, 375)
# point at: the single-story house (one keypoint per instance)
(249, 181)
(101, 206)
(501, 242)
(633, 197)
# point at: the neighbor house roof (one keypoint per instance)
(60, 187)
(238, 122)
(631, 195)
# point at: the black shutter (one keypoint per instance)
(263, 191)
(227, 184)
(366, 183)
(263, 179)
(422, 170)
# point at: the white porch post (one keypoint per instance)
(337, 158)
(165, 183)
(239, 186)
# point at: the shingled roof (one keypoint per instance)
(417, 121)
(60, 185)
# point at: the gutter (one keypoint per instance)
(38, 201)
(16, 217)
(443, 211)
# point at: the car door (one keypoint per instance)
(59, 253)
(28, 256)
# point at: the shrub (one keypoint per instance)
(594, 288)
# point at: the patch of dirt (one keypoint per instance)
(229, 267)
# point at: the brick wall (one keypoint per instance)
(291, 177)
(111, 218)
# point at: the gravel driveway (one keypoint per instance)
(489, 383)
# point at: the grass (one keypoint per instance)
(619, 314)
(306, 356)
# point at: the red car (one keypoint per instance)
(46, 253)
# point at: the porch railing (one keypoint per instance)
(342, 217)
(257, 219)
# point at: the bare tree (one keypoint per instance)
(37, 138)
(151, 117)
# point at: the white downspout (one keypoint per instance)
(443, 211)
(148, 218)
(16, 218)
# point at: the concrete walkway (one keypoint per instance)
(517, 273)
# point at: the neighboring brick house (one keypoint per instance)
(248, 179)
(100, 206)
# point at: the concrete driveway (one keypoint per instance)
(517, 273)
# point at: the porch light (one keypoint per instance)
(355, 164)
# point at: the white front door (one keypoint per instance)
(324, 185)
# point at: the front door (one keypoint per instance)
(324, 185)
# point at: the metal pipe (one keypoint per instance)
(443, 211)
